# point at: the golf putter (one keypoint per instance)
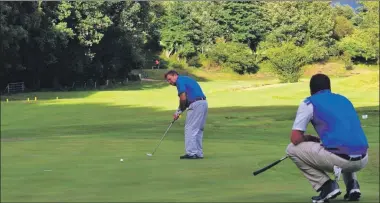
(151, 154)
(269, 166)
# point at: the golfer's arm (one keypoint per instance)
(297, 137)
(303, 117)
(182, 101)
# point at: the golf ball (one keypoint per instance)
(364, 116)
(121, 160)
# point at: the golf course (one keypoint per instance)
(68, 146)
(91, 93)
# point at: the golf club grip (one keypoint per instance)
(267, 167)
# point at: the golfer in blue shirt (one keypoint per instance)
(340, 147)
(192, 98)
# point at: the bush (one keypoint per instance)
(362, 44)
(176, 65)
(287, 60)
(174, 61)
(186, 50)
(315, 51)
(347, 61)
(266, 67)
(333, 50)
(236, 56)
(343, 27)
(194, 61)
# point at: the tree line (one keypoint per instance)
(51, 44)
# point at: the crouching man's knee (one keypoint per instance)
(291, 150)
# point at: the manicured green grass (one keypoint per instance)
(69, 149)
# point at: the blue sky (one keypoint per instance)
(352, 3)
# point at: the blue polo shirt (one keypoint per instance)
(190, 86)
(335, 120)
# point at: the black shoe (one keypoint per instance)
(186, 156)
(353, 191)
(329, 190)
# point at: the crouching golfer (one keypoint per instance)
(192, 97)
(343, 147)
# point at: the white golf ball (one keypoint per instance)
(121, 160)
(364, 116)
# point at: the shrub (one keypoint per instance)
(343, 27)
(315, 51)
(176, 65)
(346, 57)
(236, 56)
(287, 60)
(362, 44)
(194, 61)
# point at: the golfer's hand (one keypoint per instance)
(311, 138)
(177, 114)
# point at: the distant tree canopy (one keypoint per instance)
(52, 44)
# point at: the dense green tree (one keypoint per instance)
(180, 33)
(244, 22)
(15, 20)
(363, 43)
(344, 10)
(49, 44)
(343, 27)
(302, 30)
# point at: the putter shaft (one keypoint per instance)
(269, 166)
(162, 137)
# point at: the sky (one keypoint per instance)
(352, 3)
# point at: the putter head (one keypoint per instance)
(148, 154)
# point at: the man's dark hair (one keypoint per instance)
(319, 82)
(171, 72)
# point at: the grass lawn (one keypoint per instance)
(69, 149)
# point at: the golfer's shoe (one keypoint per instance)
(187, 156)
(329, 190)
(353, 191)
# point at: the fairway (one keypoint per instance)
(69, 150)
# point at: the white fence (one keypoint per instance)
(15, 87)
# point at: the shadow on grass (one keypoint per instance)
(268, 125)
(46, 95)
(78, 94)
(146, 84)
